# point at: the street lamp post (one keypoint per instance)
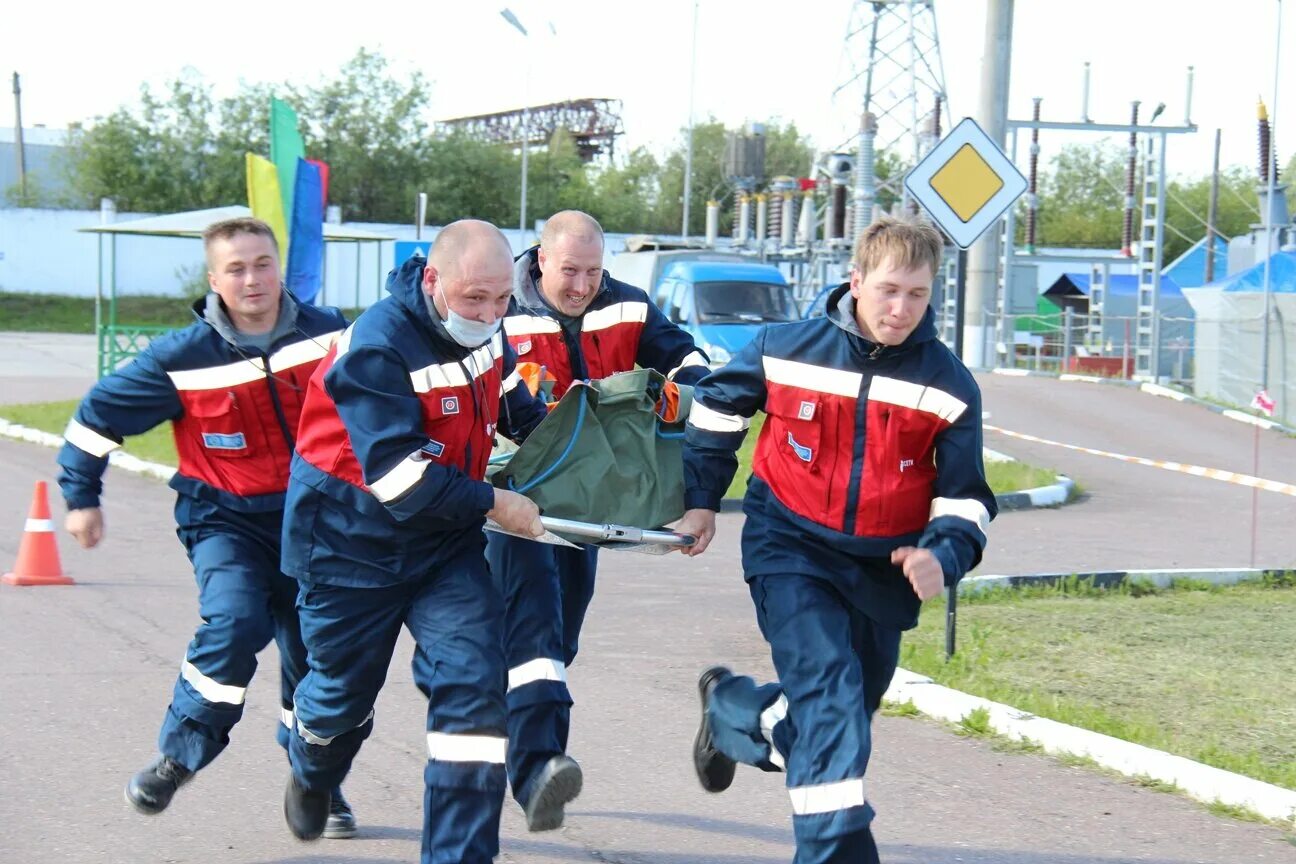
(688, 153)
(512, 19)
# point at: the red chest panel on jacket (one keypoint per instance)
(229, 435)
(899, 454)
(609, 341)
(806, 450)
(460, 408)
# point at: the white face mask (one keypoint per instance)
(467, 332)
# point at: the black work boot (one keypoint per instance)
(558, 782)
(305, 810)
(715, 770)
(150, 790)
(341, 823)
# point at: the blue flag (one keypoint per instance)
(306, 242)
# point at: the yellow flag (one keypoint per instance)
(266, 202)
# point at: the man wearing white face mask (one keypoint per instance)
(383, 527)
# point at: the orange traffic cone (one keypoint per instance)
(38, 558)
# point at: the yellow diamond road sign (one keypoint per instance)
(966, 183)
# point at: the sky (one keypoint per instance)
(755, 61)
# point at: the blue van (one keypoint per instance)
(723, 303)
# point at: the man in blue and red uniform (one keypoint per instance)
(572, 319)
(867, 497)
(231, 383)
(383, 528)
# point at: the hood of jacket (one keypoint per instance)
(841, 311)
(211, 310)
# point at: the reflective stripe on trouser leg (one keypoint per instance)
(458, 620)
(811, 629)
(292, 652)
(738, 707)
(234, 572)
(350, 634)
(539, 703)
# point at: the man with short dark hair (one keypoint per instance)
(577, 322)
(867, 497)
(384, 522)
(231, 384)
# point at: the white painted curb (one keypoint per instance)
(1159, 578)
(124, 461)
(1202, 782)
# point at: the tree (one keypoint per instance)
(370, 129)
(466, 178)
(1082, 199)
(1082, 203)
(1188, 203)
(787, 152)
(624, 196)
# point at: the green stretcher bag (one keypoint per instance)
(604, 454)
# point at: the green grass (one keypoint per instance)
(156, 445)
(1205, 674)
(48, 313)
(1003, 476)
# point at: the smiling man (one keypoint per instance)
(231, 384)
(867, 497)
(577, 322)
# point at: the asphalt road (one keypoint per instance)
(1132, 516)
(86, 672)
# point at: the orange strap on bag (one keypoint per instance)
(668, 404)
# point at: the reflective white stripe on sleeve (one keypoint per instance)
(694, 359)
(344, 342)
(909, 395)
(212, 691)
(540, 669)
(823, 379)
(769, 718)
(511, 382)
(528, 325)
(286, 717)
(305, 351)
(964, 508)
(85, 438)
(702, 417)
(218, 377)
(400, 479)
(39, 526)
(447, 747)
(629, 312)
(827, 797)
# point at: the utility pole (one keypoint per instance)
(1212, 213)
(18, 139)
(688, 152)
(992, 114)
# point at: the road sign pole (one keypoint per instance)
(951, 619)
(961, 303)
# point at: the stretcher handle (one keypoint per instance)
(620, 533)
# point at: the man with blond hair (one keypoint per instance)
(231, 383)
(867, 497)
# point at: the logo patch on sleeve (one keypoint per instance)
(216, 441)
(806, 411)
(804, 453)
(449, 404)
(524, 347)
(433, 449)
